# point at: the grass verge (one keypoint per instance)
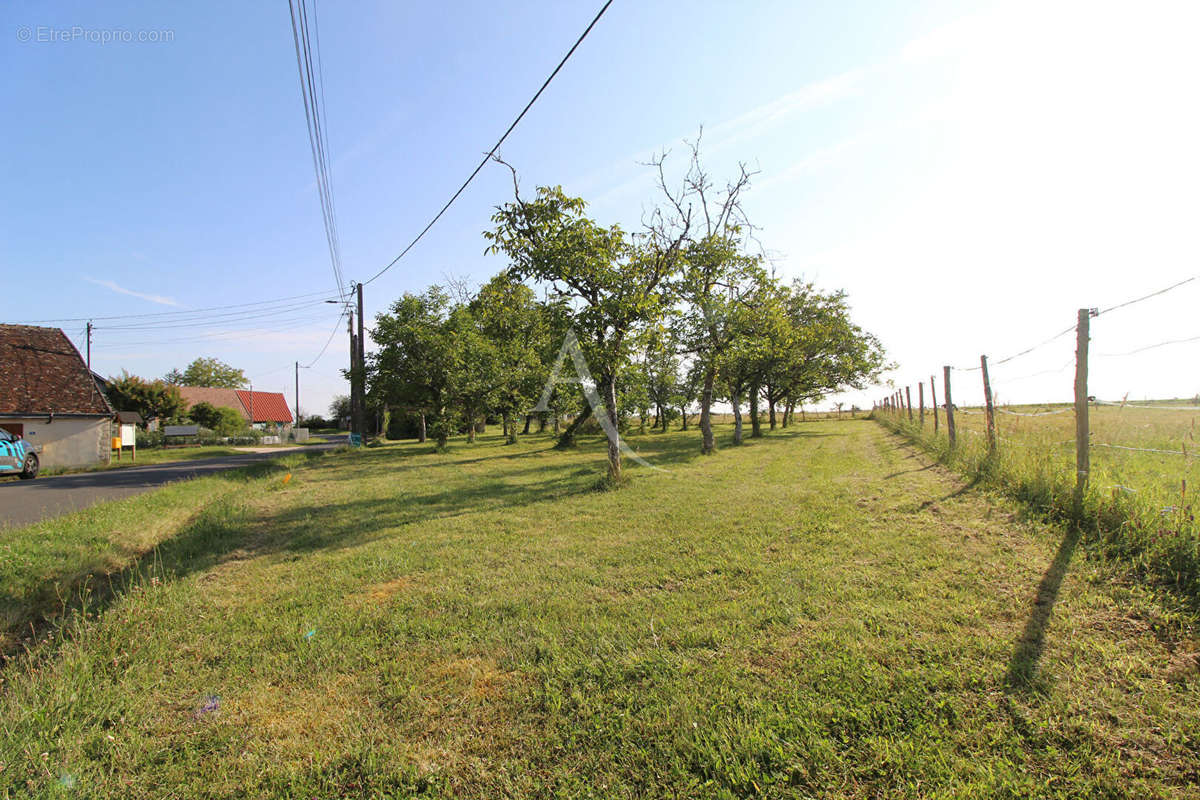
(1150, 529)
(820, 613)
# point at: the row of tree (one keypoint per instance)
(682, 309)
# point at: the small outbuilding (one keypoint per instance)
(49, 397)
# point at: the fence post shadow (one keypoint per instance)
(1028, 653)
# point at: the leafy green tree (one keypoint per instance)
(716, 272)
(339, 409)
(152, 399)
(615, 282)
(511, 319)
(476, 368)
(221, 419)
(414, 367)
(209, 372)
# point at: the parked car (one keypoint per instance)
(18, 455)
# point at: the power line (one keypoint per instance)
(180, 313)
(496, 146)
(336, 326)
(313, 114)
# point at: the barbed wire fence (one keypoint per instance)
(898, 405)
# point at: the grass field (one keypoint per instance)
(821, 613)
(1145, 471)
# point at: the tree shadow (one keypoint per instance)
(960, 491)
(1022, 667)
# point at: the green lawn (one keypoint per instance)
(821, 613)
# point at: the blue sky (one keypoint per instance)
(970, 173)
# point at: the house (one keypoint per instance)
(259, 409)
(49, 397)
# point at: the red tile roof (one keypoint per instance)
(267, 406)
(214, 396)
(42, 372)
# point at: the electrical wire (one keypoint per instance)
(1149, 347)
(176, 314)
(336, 326)
(318, 145)
(495, 147)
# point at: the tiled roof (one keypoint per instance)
(268, 406)
(214, 396)
(42, 372)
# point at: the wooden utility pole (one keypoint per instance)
(353, 383)
(949, 405)
(362, 371)
(933, 402)
(89, 345)
(1082, 445)
(921, 401)
(908, 401)
(297, 394)
(987, 402)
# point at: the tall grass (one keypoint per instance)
(1137, 506)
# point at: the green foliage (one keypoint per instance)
(152, 399)
(222, 420)
(209, 372)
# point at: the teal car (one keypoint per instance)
(17, 456)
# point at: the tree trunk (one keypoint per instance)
(736, 402)
(755, 422)
(683, 413)
(707, 445)
(421, 429)
(771, 411)
(614, 443)
(568, 436)
(528, 422)
(556, 423)
(470, 426)
(510, 429)
(542, 422)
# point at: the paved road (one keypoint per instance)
(26, 502)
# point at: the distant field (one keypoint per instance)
(821, 613)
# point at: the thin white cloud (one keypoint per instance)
(153, 298)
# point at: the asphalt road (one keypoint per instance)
(26, 502)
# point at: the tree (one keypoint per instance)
(715, 271)
(510, 318)
(221, 419)
(152, 399)
(414, 366)
(339, 410)
(614, 281)
(209, 372)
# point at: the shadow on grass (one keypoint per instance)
(959, 492)
(227, 529)
(1022, 668)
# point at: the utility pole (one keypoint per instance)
(353, 382)
(297, 394)
(362, 370)
(89, 345)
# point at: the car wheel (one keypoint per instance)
(31, 467)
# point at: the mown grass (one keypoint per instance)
(821, 613)
(1138, 506)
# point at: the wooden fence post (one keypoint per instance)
(908, 401)
(1082, 445)
(921, 403)
(933, 402)
(991, 411)
(949, 405)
